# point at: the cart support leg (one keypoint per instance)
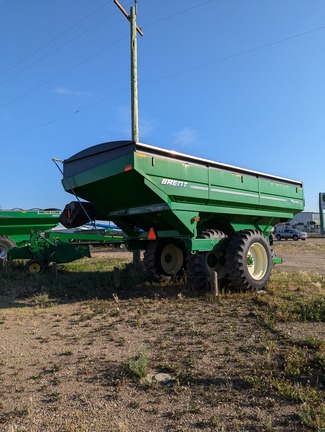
(214, 283)
(117, 277)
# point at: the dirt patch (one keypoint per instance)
(90, 365)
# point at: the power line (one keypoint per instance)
(229, 57)
(173, 74)
(62, 117)
(89, 58)
(177, 13)
(62, 73)
(57, 49)
(52, 40)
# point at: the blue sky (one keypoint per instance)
(236, 81)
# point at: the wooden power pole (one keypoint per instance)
(134, 84)
(134, 67)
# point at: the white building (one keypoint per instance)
(303, 221)
(306, 218)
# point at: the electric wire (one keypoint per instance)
(183, 71)
(176, 14)
(231, 56)
(168, 76)
(52, 40)
(64, 116)
(89, 58)
(56, 49)
(77, 111)
(62, 73)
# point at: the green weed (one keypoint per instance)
(138, 366)
(294, 297)
(42, 300)
(313, 417)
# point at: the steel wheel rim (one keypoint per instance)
(34, 268)
(3, 252)
(171, 259)
(257, 261)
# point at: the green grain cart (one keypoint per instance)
(28, 235)
(17, 225)
(191, 215)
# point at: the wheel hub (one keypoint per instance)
(3, 252)
(172, 259)
(257, 261)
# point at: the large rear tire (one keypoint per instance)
(201, 264)
(5, 244)
(249, 260)
(163, 260)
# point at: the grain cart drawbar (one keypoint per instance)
(191, 215)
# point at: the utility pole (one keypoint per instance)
(134, 66)
(321, 212)
(134, 86)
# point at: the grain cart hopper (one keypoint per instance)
(189, 214)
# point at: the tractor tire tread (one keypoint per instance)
(236, 260)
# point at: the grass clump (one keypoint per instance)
(313, 311)
(313, 417)
(42, 300)
(137, 366)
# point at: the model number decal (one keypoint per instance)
(169, 182)
(117, 213)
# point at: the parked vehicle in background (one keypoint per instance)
(291, 234)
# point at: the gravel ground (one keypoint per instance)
(91, 365)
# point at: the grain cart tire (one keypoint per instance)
(5, 244)
(34, 266)
(163, 259)
(200, 264)
(249, 260)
